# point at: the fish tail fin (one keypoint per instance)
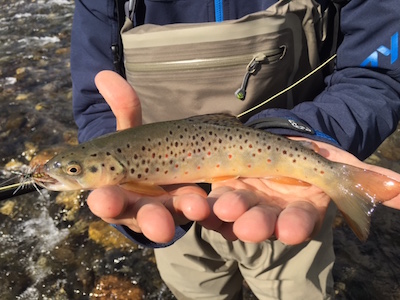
(358, 194)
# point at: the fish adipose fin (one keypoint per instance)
(143, 189)
(357, 195)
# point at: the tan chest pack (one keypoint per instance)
(180, 70)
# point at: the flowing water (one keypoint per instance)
(52, 247)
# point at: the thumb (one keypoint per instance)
(121, 97)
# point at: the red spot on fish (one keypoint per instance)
(268, 160)
(176, 166)
(250, 146)
(218, 166)
(198, 167)
(259, 150)
(322, 172)
(189, 154)
(209, 153)
(166, 155)
(229, 156)
(186, 172)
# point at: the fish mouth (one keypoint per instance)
(44, 180)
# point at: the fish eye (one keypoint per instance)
(73, 169)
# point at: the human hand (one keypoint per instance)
(155, 217)
(253, 209)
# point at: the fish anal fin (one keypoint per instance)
(288, 181)
(143, 189)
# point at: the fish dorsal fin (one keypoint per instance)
(216, 119)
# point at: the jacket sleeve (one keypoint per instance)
(94, 30)
(361, 104)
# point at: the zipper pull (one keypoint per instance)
(252, 68)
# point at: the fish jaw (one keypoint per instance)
(51, 183)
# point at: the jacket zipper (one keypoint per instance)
(219, 11)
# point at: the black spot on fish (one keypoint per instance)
(93, 169)
(132, 170)
(108, 153)
(93, 155)
(119, 150)
(135, 156)
(143, 148)
(139, 176)
(112, 168)
(128, 145)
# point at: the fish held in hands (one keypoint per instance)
(212, 148)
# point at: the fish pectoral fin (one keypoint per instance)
(143, 189)
(288, 181)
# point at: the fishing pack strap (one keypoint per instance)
(180, 70)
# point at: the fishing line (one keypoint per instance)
(289, 87)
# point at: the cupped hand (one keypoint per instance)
(254, 209)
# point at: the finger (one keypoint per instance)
(121, 97)
(298, 222)
(212, 222)
(230, 205)
(108, 202)
(155, 221)
(192, 206)
(257, 224)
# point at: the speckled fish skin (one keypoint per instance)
(211, 148)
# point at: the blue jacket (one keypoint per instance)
(359, 108)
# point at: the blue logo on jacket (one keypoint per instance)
(393, 52)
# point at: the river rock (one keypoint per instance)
(115, 287)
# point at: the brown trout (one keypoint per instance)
(211, 148)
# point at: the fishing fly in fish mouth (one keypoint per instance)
(212, 148)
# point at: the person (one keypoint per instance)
(277, 237)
